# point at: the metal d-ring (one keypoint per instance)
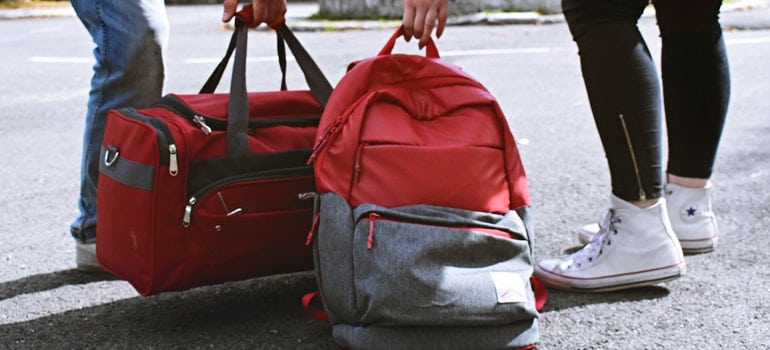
(110, 161)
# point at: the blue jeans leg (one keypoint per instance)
(130, 36)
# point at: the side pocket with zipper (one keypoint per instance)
(440, 266)
(236, 225)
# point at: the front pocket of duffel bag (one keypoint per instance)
(412, 270)
(251, 225)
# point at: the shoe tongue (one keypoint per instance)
(618, 203)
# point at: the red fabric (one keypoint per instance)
(541, 293)
(430, 48)
(246, 14)
(317, 312)
(528, 347)
(394, 107)
(141, 235)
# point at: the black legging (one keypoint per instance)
(624, 89)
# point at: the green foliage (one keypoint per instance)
(13, 4)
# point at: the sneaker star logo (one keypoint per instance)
(691, 211)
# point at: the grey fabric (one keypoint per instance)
(420, 273)
(128, 172)
(525, 213)
(516, 335)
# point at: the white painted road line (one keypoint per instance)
(479, 52)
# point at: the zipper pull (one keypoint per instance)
(306, 196)
(313, 228)
(201, 122)
(370, 240)
(173, 167)
(322, 140)
(188, 212)
(357, 162)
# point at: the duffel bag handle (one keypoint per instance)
(238, 106)
(283, 34)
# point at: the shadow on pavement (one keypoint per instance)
(262, 313)
(49, 281)
(560, 300)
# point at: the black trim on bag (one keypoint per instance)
(176, 105)
(207, 171)
(258, 175)
(203, 192)
(164, 134)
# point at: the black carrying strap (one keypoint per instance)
(238, 104)
(216, 76)
(281, 49)
(319, 85)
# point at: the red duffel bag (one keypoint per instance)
(206, 188)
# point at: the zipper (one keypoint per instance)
(200, 121)
(357, 162)
(166, 145)
(208, 124)
(370, 239)
(261, 175)
(324, 138)
(173, 167)
(374, 216)
(333, 130)
(330, 133)
(313, 228)
(642, 195)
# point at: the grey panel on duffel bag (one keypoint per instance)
(126, 171)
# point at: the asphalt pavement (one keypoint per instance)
(530, 66)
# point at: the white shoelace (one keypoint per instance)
(593, 249)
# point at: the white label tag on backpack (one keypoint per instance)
(509, 287)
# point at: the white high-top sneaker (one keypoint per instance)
(692, 219)
(635, 247)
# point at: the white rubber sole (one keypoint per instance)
(698, 246)
(611, 283)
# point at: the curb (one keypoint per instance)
(299, 20)
(481, 18)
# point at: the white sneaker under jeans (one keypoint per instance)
(634, 247)
(85, 257)
(691, 215)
